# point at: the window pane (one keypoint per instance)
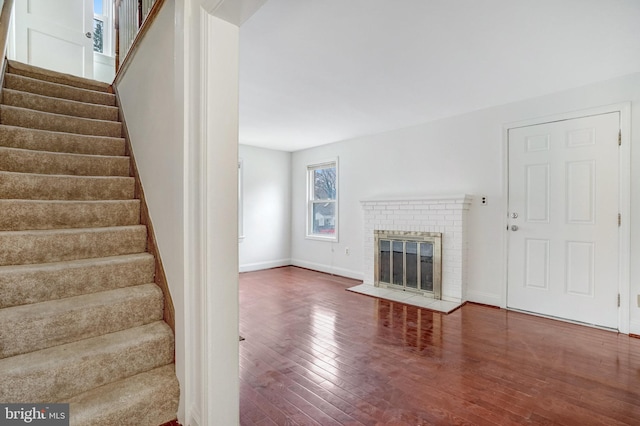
(97, 7)
(98, 26)
(398, 266)
(324, 219)
(324, 184)
(385, 261)
(412, 264)
(426, 266)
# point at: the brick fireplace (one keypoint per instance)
(446, 214)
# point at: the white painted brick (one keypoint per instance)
(447, 216)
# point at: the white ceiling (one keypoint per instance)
(319, 71)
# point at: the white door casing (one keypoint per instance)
(53, 35)
(564, 186)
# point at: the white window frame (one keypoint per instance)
(108, 33)
(310, 201)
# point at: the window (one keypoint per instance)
(322, 201)
(102, 33)
(98, 35)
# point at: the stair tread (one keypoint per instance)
(31, 118)
(35, 139)
(127, 178)
(62, 91)
(36, 101)
(14, 185)
(146, 399)
(71, 263)
(71, 231)
(61, 214)
(15, 67)
(40, 325)
(70, 154)
(60, 372)
(22, 160)
(34, 283)
(52, 245)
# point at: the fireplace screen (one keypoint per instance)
(409, 261)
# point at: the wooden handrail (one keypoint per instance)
(5, 18)
(143, 25)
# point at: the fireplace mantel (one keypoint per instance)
(444, 213)
(434, 197)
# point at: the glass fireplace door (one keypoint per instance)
(408, 262)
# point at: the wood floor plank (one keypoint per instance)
(317, 354)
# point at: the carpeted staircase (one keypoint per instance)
(81, 320)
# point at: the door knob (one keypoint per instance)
(514, 227)
(88, 34)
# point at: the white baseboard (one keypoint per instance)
(328, 269)
(484, 298)
(258, 266)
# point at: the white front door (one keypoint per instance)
(53, 35)
(563, 219)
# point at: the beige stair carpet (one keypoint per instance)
(80, 314)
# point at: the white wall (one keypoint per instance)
(180, 100)
(266, 178)
(463, 154)
(153, 116)
(219, 286)
(104, 67)
(179, 97)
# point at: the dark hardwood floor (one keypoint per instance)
(317, 354)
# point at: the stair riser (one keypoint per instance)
(33, 327)
(45, 88)
(21, 117)
(31, 247)
(152, 399)
(26, 161)
(18, 215)
(55, 77)
(42, 140)
(58, 106)
(43, 187)
(58, 373)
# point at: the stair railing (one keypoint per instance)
(5, 18)
(132, 19)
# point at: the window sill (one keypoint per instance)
(333, 239)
